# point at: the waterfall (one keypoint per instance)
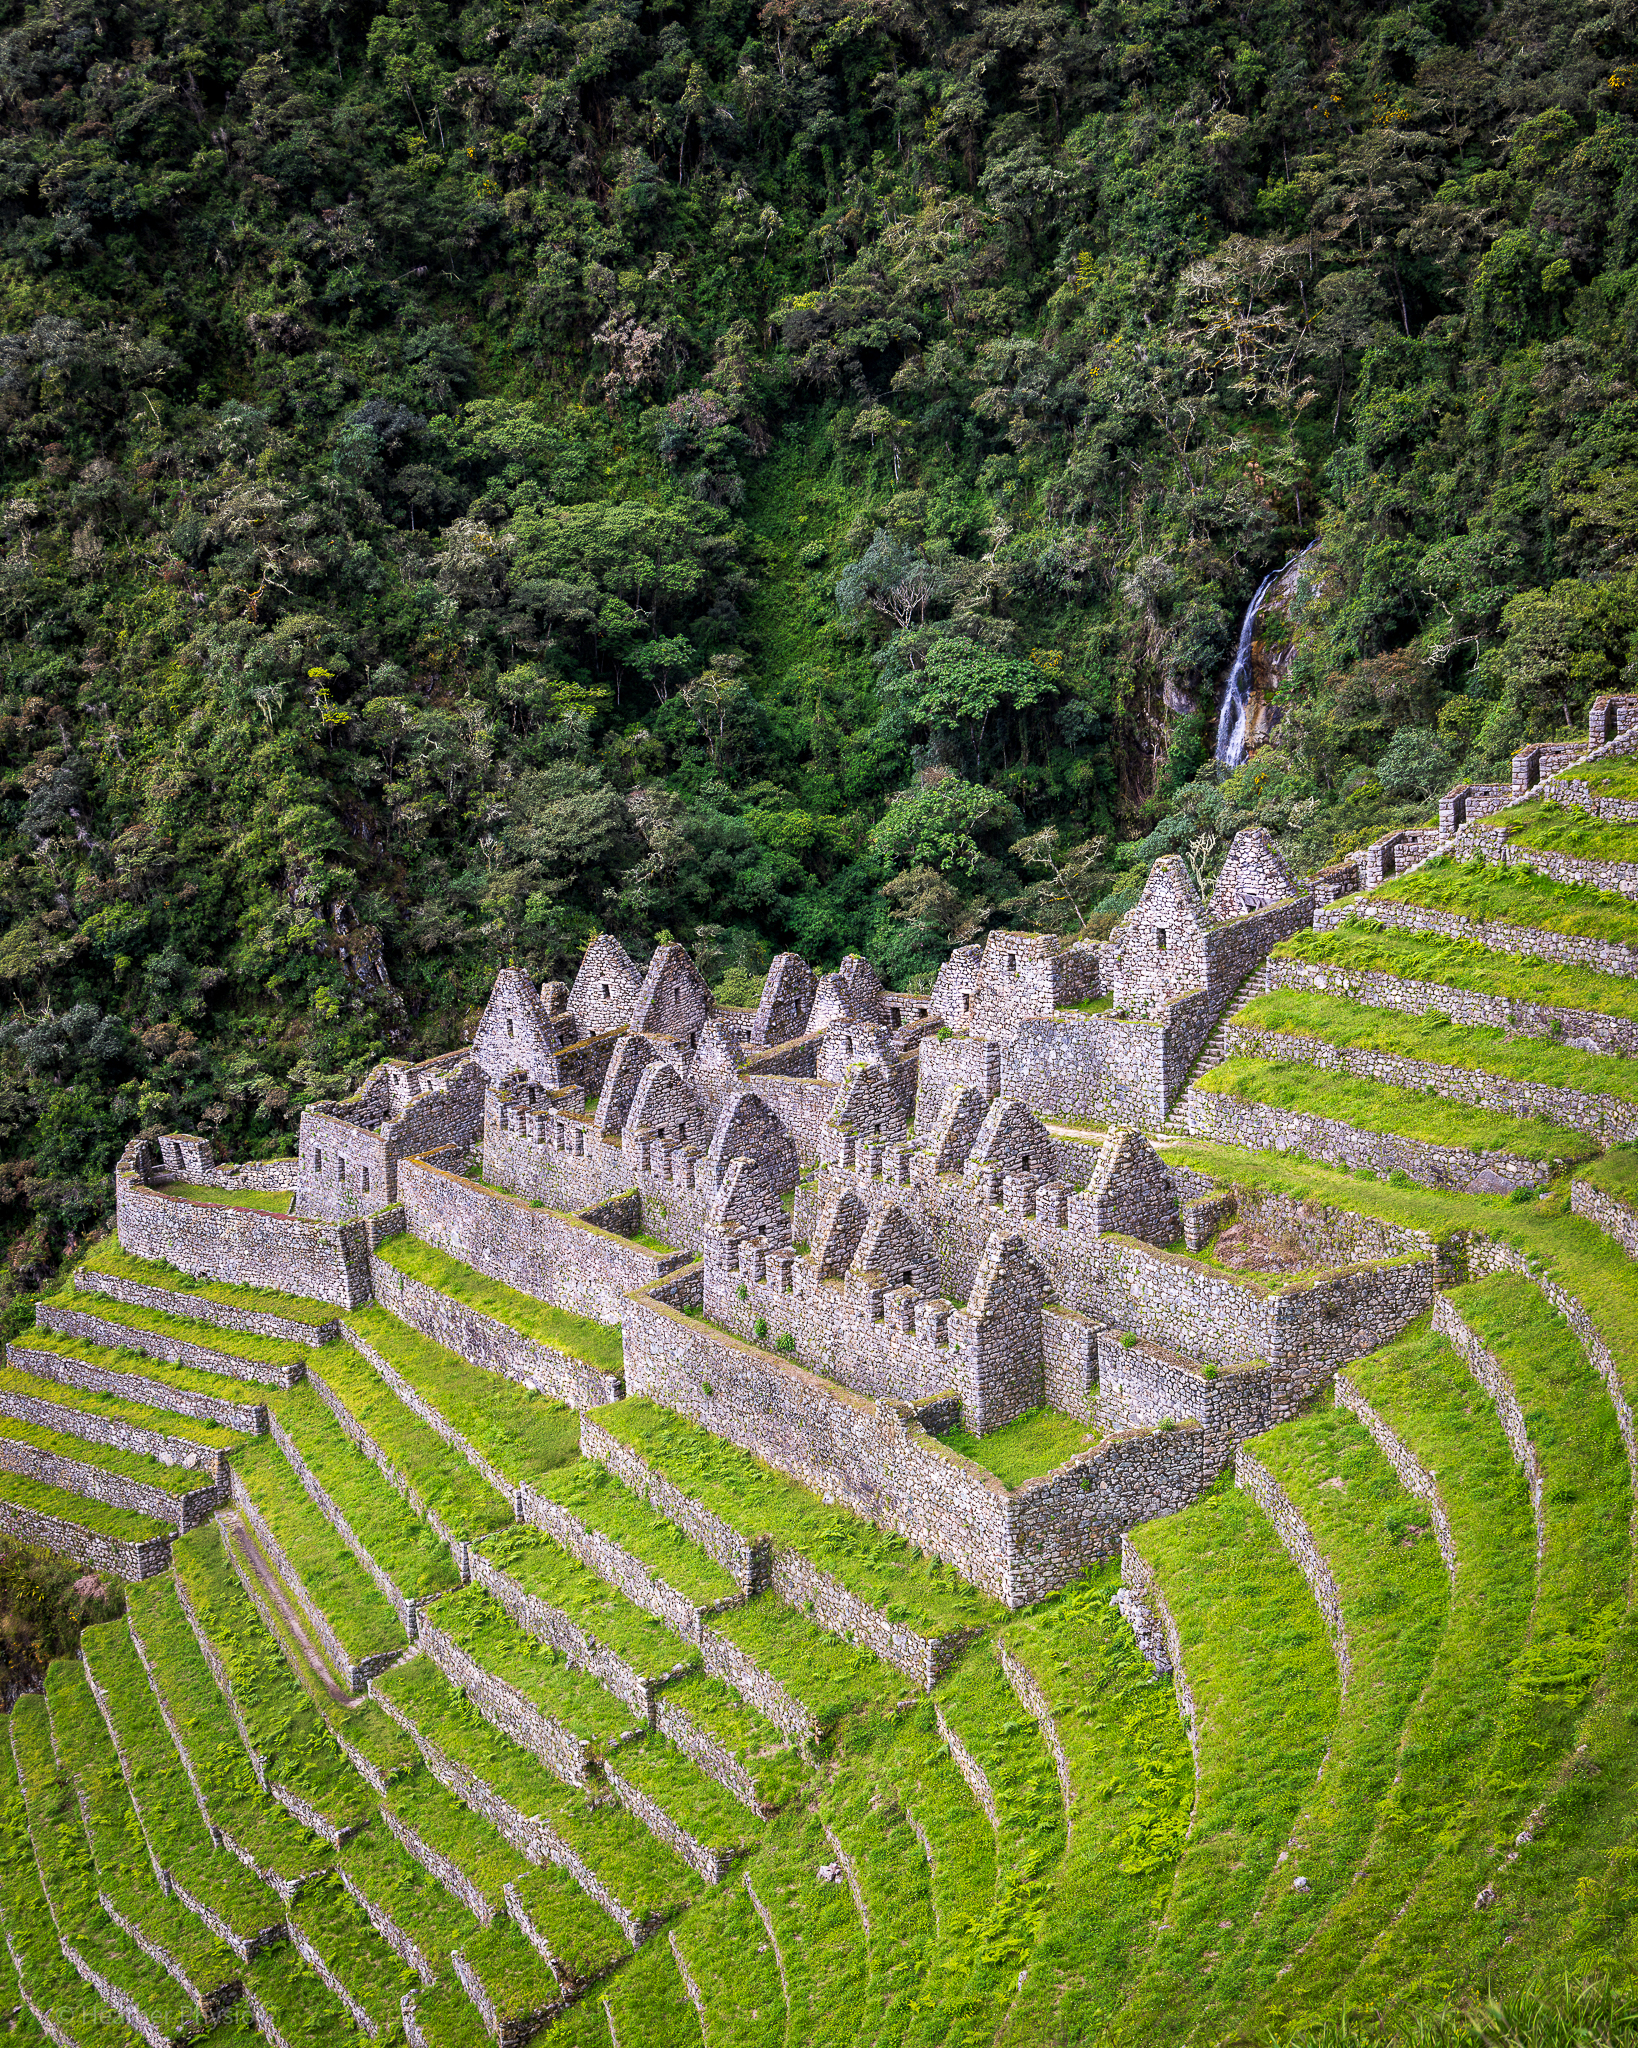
(1231, 720)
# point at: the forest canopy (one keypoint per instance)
(768, 475)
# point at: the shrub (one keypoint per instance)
(1127, 1340)
(744, 1292)
(759, 1328)
(786, 1343)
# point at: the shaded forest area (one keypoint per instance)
(780, 474)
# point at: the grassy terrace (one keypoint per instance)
(464, 1838)
(69, 1879)
(184, 1379)
(1509, 895)
(118, 1853)
(283, 1723)
(566, 1695)
(1400, 1112)
(1427, 1397)
(411, 1553)
(161, 1796)
(726, 1950)
(210, 1436)
(1475, 1048)
(1616, 1174)
(524, 1435)
(515, 1977)
(1129, 1825)
(695, 1801)
(123, 1523)
(547, 1572)
(335, 1581)
(280, 1352)
(648, 2003)
(579, 1933)
(885, 1571)
(1368, 948)
(643, 1875)
(271, 1201)
(895, 1882)
(595, 1344)
(138, 1465)
(388, 1876)
(1259, 1664)
(776, 1770)
(303, 2009)
(464, 1501)
(829, 1677)
(1567, 829)
(820, 1938)
(340, 1933)
(109, 1257)
(1617, 777)
(1025, 1448)
(597, 1500)
(1395, 1597)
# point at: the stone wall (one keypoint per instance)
(95, 1427)
(1413, 1476)
(248, 1417)
(877, 1459)
(566, 1755)
(349, 1158)
(200, 1308)
(114, 1489)
(485, 1341)
(1261, 1127)
(1590, 1030)
(1305, 1553)
(1488, 1370)
(538, 1251)
(1609, 1118)
(1613, 1217)
(247, 1247)
(1144, 1385)
(1140, 1585)
(112, 1554)
(1490, 841)
(1604, 956)
(72, 1321)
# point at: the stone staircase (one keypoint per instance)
(1211, 1053)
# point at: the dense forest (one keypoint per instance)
(764, 474)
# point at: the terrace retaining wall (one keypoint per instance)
(201, 1308)
(1612, 1216)
(1497, 1383)
(1305, 1553)
(119, 1555)
(1566, 949)
(248, 1417)
(1413, 1476)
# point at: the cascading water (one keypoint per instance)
(1231, 720)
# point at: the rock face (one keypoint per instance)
(1275, 644)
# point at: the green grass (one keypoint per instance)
(340, 1933)
(465, 1502)
(414, 1902)
(652, 1244)
(821, 1940)
(118, 1852)
(446, 2018)
(826, 1676)
(137, 1465)
(522, 1434)
(285, 1726)
(1031, 1444)
(1427, 1397)
(1513, 895)
(271, 1201)
(726, 1949)
(1398, 1112)
(301, 2005)
(886, 1572)
(593, 1343)
(1617, 777)
(545, 1571)
(411, 1553)
(643, 1875)
(1395, 1598)
(1366, 948)
(161, 1796)
(159, 1372)
(776, 1770)
(349, 1599)
(581, 1936)
(1566, 829)
(648, 2004)
(1259, 1664)
(597, 1500)
(109, 1257)
(695, 1801)
(570, 1697)
(516, 1977)
(69, 1879)
(1475, 1048)
(280, 1352)
(123, 1523)
(1132, 1790)
(210, 1436)
(1616, 1173)
(484, 1857)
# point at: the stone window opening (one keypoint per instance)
(1012, 963)
(966, 1001)
(850, 1045)
(682, 1128)
(318, 1162)
(341, 1169)
(908, 1277)
(1160, 938)
(876, 1127)
(1023, 1164)
(894, 1015)
(366, 1180)
(693, 1040)
(509, 1031)
(605, 991)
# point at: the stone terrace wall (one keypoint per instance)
(1413, 1476)
(1305, 1553)
(1613, 810)
(249, 1417)
(247, 1247)
(1606, 1117)
(555, 1258)
(113, 1489)
(1138, 1583)
(1141, 1385)
(1492, 1376)
(877, 1459)
(86, 1324)
(485, 1341)
(1604, 956)
(200, 1308)
(1261, 1127)
(99, 1553)
(1593, 1030)
(1613, 1217)
(1490, 841)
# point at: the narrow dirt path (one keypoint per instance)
(294, 1620)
